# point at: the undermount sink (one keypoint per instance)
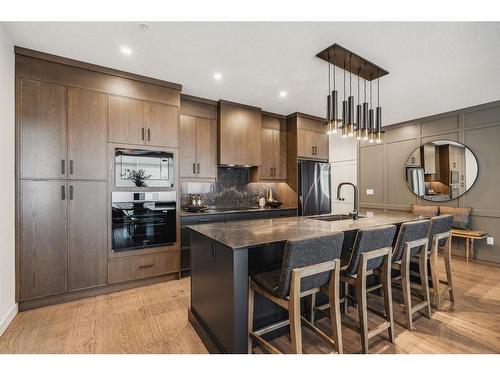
(336, 217)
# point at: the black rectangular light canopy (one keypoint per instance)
(351, 62)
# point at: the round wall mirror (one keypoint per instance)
(441, 170)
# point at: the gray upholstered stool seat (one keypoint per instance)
(270, 281)
(308, 264)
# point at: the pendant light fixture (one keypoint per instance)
(371, 124)
(365, 117)
(350, 104)
(363, 120)
(345, 111)
(334, 123)
(329, 103)
(378, 118)
(359, 117)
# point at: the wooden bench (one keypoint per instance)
(470, 236)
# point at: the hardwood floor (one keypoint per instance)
(153, 319)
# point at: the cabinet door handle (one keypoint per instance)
(149, 134)
(204, 220)
(63, 166)
(274, 172)
(142, 134)
(147, 265)
(194, 168)
(71, 167)
(63, 192)
(198, 168)
(70, 192)
(271, 171)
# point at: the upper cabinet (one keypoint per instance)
(239, 136)
(142, 122)
(162, 124)
(312, 140)
(87, 145)
(198, 139)
(273, 138)
(126, 120)
(42, 130)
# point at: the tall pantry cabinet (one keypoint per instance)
(62, 153)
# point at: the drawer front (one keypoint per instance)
(282, 213)
(246, 216)
(201, 219)
(143, 266)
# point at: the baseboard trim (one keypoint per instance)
(7, 319)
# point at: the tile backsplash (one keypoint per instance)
(232, 189)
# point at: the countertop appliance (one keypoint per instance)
(415, 178)
(143, 220)
(314, 188)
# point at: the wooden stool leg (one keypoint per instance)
(362, 310)
(334, 297)
(294, 314)
(388, 296)
(405, 285)
(447, 264)
(312, 300)
(467, 248)
(346, 290)
(435, 275)
(251, 296)
(424, 279)
(472, 249)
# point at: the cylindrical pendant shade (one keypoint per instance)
(350, 110)
(328, 108)
(364, 122)
(378, 119)
(370, 121)
(335, 105)
(344, 112)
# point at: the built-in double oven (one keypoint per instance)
(143, 219)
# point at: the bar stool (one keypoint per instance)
(412, 244)
(440, 237)
(372, 251)
(308, 264)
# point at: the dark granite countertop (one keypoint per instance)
(234, 210)
(250, 233)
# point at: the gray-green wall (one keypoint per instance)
(381, 167)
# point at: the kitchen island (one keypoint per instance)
(224, 255)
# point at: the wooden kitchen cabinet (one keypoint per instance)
(197, 147)
(239, 128)
(273, 139)
(126, 120)
(88, 255)
(43, 236)
(141, 122)
(161, 123)
(43, 133)
(87, 130)
(312, 144)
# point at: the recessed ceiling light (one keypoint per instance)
(217, 76)
(283, 94)
(144, 27)
(126, 50)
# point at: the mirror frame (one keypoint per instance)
(440, 140)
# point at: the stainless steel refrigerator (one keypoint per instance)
(415, 178)
(314, 188)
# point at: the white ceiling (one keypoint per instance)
(434, 67)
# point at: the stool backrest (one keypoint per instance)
(410, 231)
(367, 240)
(307, 252)
(440, 224)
